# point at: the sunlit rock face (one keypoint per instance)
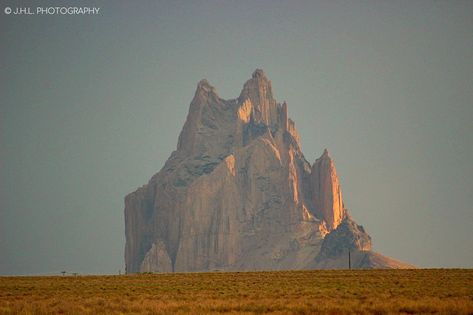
(326, 191)
(238, 194)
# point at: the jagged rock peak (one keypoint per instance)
(258, 86)
(205, 86)
(347, 236)
(238, 194)
(258, 90)
(325, 154)
(200, 115)
(325, 157)
(258, 73)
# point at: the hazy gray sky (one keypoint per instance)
(91, 107)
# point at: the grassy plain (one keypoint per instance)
(438, 291)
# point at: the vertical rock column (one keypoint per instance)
(326, 191)
(258, 90)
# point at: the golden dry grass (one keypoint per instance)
(286, 292)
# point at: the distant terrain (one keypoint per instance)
(434, 291)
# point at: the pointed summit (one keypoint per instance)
(325, 154)
(204, 87)
(258, 73)
(203, 83)
(205, 101)
(258, 90)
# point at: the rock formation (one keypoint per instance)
(238, 194)
(326, 192)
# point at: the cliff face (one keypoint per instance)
(237, 194)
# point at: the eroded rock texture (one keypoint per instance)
(238, 194)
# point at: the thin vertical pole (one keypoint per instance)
(349, 259)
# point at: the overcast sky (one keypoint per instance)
(91, 107)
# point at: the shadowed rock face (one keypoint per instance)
(348, 236)
(351, 239)
(238, 194)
